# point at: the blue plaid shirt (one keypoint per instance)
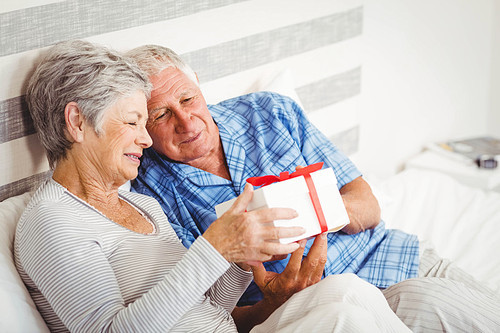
(263, 134)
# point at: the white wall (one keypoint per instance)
(426, 77)
(494, 119)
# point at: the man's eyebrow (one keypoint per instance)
(188, 91)
(156, 109)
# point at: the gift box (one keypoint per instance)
(311, 191)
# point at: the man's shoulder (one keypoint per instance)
(266, 104)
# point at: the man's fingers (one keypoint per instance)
(295, 261)
(259, 274)
(314, 264)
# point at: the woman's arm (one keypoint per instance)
(69, 263)
(230, 286)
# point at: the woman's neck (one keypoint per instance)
(86, 183)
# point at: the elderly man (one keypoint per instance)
(202, 156)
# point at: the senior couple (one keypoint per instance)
(96, 258)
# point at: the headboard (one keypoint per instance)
(310, 50)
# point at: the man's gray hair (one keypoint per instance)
(154, 58)
(90, 75)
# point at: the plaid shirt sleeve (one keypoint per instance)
(314, 145)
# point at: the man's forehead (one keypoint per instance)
(171, 81)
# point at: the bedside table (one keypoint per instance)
(466, 173)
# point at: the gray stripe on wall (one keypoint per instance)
(41, 26)
(27, 184)
(15, 119)
(330, 90)
(259, 49)
(347, 141)
(234, 56)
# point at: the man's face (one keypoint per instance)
(179, 122)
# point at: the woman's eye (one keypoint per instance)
(133, 123)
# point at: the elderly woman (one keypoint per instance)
(96, 258)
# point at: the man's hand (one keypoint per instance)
(298, 274)
(278, 288)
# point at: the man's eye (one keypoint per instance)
(161, 114)
(185, 100)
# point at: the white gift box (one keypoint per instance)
(294, 193)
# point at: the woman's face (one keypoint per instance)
(115, 154)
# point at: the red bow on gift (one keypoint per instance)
(269, 179)
(306, 172)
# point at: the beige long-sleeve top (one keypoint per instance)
(89, 274)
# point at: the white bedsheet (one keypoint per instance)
(461, 222)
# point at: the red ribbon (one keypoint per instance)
(306, 173)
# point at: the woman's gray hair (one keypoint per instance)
(90, 75)
(154, 58)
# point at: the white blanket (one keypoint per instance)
(461, 222)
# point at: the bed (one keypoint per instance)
(271, 48)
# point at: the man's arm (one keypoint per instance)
(278, 288)
(361, 205)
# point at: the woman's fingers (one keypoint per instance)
(274, 248)
(271, 233)
(249, 236)
(241, 203)
(272, 214)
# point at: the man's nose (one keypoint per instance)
(183, 121)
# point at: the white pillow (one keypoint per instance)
(282, 83)
(18, 312)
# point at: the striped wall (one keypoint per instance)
(235, 46)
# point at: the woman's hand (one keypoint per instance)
(241, 236)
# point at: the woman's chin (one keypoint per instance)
(127, 176)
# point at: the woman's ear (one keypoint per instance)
(74, 121)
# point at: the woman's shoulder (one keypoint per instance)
(50, 204)
(48, 194)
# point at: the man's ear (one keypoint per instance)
(74, 121)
